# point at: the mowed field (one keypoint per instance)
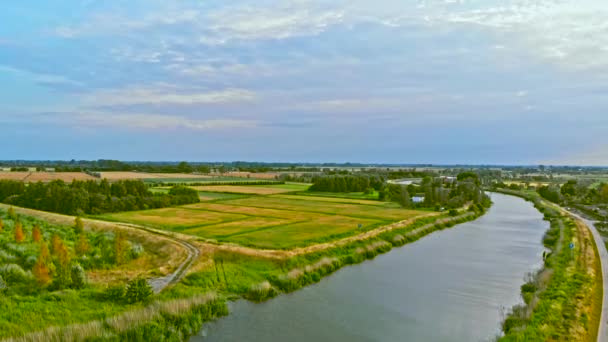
(272, 221)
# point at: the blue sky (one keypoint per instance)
(396, 81)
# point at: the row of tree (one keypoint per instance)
(91, 197)
(347, 183)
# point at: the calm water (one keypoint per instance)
(452, 285)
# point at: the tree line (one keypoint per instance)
(91, 197)
(347, 183)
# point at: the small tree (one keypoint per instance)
(55, 243)
(82, 246)
(78, 226)
(79, 278)
(19, 233)
(42, 272)
(1, 225)
(120, 243)
(62, 263)
(138, 290)
(11, 214)
(36, 234)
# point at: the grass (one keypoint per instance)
(353, 195)
(270, 189)
(175, 219)
(272, 222)
(215, 196)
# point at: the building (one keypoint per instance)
(418, 199)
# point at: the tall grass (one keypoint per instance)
(174, 320)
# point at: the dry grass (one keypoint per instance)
(45, 176)
(253, 190)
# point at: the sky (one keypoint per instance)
(385, 81)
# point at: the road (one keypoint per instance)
(160, 283)
(602, 335)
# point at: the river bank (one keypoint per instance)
(414, 293)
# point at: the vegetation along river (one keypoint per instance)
(452, 285)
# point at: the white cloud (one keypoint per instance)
(165, 94)
(157, 122)
(285, 21)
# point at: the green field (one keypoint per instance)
(353, 195)
(273, 222)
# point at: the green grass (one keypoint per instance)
(287, 186)
(218, 196)
(22, 314)
(274, 222)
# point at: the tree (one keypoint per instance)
(79, 278)
(11, 214)
(42, 273)
(78, 226)
(62, 263)
(138, 290)
(36, 233)
(82, 246)
(41, 270)
(19, 233)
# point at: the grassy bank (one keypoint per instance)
(563, 301)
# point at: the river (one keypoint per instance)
(453, 285)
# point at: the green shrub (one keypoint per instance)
(79, 278)
(3, 286)
(138, 290)
(13, 273)
(114, 293)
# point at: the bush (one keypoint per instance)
(79, 278)
(114, 293)
(138, 290)
(13, 273)
(453, 212)
(3, 286)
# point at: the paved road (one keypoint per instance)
(601, 247)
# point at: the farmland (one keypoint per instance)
(45, 176)
(254, 189)
(273, 221)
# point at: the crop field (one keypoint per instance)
(253, 189)
(45, 176)
(274, 221)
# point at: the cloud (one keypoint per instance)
(572, 34)
(285, 21)
(138, 121)
(168, 95)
